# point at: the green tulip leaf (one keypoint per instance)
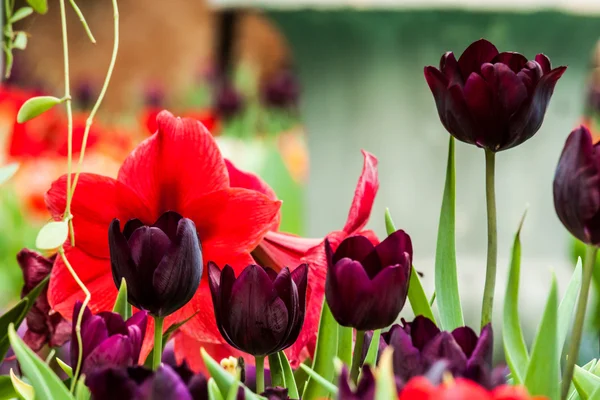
(515, 349)
(325, 352)
(543, 373)
(65, 367)
(40, 6)
(345, 339)
(52, 235)
(328, 387)
(21, 13)
(17, 314)
(223, 379)
(385, 386)
(290, 380)
(277, 377)
(233, 391)
(213, 390)
(81, 391)
(45, 383)
(7, 172)
(585, 382)
(371, 357)
(7, 390)
(416, 295)
(36, 106)
(446, 280)
(566, 309)
(23, 389)
(121, 306)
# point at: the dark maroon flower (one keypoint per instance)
(420, 345)
(139, 383)
(281, 90)
(276, 393)
(42, 327)
(162, 263)
(367, 285)
(261, 312)
(365, 389)
(228, 101)
(107, 340)
(490, 99)
(577, 186)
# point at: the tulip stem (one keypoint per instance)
(357, 355)
(260, 374)
(573, 354)
(158, 342)
(492, 250)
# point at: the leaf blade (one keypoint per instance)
(36, 106)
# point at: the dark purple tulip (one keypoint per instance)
(162, 263)
(228, 101)
(42, 327)
(276, 393)
(365, 389)
(281, 90)
(577, 186)
(420, 345)
(367, 285)
(261, 312)
(139, 383)
(107, 340)
(490, 99)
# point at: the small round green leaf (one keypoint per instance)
(52, 235)
(36, 106)
(20, 14)
(40, 6)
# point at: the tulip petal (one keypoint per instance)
(577, 184)
(96, 202)
(422, 331)
(508, 90)
(348, 293)
(177, 277)
(466, 339)
(93, 333)
(168, 223)
(482, 354)
(515, 61)
(396, 249)
(477, 53)
(158, 170)
(287, 291)
(443, 346)
(364, 195)
(114, 323)
(165, 384)
(479, 97)
(111, 383)
(544, 63)
(457, 118)
(389, 290)
(116, 351)
(300, 278)
(136, 330)
(406, 357)
(450, 69)
(278, 250)
(355, 247)
(258, 319)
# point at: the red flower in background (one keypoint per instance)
(207, 118)
(179, 168)
(278, 249)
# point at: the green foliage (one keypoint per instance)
(446, 281)
(40, 6)
(65, 367)
(23, 389)
(326, 386)
(121, 306)
(45, 383)
(52, 235)
(386, 384)
(282, 374)
(7, 172)
(371, 357)
(36, 106)
(223, 379)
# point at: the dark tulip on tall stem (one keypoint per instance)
(495, 101)
(162, 265)
(577, 203)
(260, 312)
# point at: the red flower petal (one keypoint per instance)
(364, 195)
(97, 201)
(232, 220)
(176, 165)
(278, 250)
(94, 272)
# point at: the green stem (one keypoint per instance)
(158, 340)
(573, 354)
(357, 355)
(492, 252)
(260, 374)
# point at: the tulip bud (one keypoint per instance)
(162, 263)
(261, 312)
(577, 187)
(490, 99)
(107, 340)
(367, 285)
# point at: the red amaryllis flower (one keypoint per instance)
(278, 250)
(42, 328)
(490, 99)
(421, 389)
(577, 186)
(180, 169)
